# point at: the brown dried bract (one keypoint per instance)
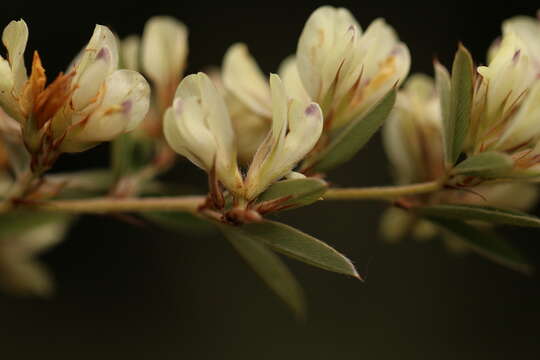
(52, 98)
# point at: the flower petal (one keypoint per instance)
(213, 115)
(243, 78)
(125, 102)
(15, 37)
(296, 128)
(328, 39)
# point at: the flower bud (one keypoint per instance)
(164, 51)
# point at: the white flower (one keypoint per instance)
(13, 76)
(528, 30)
(247, 95)
(104, 101)
(412, 135)
(344, 70)
(198, 126)
(93, 102)
(296, 128)
(164, 50)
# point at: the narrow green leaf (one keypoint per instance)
(300, 246)
(487, 214)
(461, 93)
(180, 222)
(486, 244)
(491, 164)
(355, 135)
(301, 191)
(269, 267)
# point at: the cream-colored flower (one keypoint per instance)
(506, 103)
(104, 102)
(527, 28)
(164, 49)
(199, 127)
(13, 77)
(296, 128)
(345, 70)
(93, 102)
(413, 141)
(412, 135)
(247, 95)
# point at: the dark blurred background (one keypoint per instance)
(135, 293)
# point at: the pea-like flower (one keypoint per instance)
(345, 70)
(199, 127)
(93, 102)
(506, 112)
(412, 136)
(413, 140)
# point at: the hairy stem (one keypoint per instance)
(104, 205)
(382, 192)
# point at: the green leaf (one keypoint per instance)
(130, 154)
(355, 135)
(301, 191)
(180, 222)
(456, 125)
(491, 164)
(269, 267)
(298, 245)
(486, 244)
(487, 214)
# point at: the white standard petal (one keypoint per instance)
(508, 76)
(288, 71)
(125, 102)
(103, 43)
(528, 30)
(216, 119)
(243, 78)
(185, 131)
(164, 49)
(15, 37)
(91, 80)
(328, 38)
(296, 128)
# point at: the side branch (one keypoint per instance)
(104, 205)
(382, 192)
